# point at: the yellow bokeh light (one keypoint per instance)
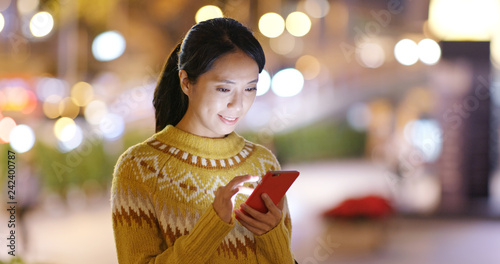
(298, 24)
(95, 112)
(41, 24)
(309, 66)
(2, 22)
(283, 44)
(208, 12)
(464, 20)
(271, 25)
(64, 128)
(67, 108)
(82, 93)
(51, 106)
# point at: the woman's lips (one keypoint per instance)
(228, 120)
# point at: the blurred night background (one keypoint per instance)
(389, 108)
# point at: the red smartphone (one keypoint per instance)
(275, 184)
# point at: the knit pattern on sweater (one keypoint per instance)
(162, 197)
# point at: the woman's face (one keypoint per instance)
(221, 97)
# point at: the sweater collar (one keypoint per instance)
(213, 148)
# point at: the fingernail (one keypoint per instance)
(265, 195)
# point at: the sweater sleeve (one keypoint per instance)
(138, 237)
(275, 245)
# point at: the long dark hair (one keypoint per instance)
(202, 45)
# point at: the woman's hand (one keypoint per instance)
(225, 195)
(257, 222)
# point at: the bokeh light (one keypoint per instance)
(71, 142)
(22, 138)
(425, 135)
(317, 8)
(283, 44)
(67, 108)
(51, 86)
(6, 126)
(298, 24)
(208, 12)
(41, 24)
(27, 6)
(108, 46)
(31, 104)
(287, 82)
(429, 51)
(464, 20)
(2, 22)
(4, 4)
(309, 66)
(406, 52)
(51, 106)
(271, 25)
(95, 112)
(112, 126)
(264, 83)
(82, 93)
(371, 55)
(64, 129)
(358, 116)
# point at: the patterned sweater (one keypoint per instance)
(162, 196)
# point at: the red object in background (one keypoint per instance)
(365, 207)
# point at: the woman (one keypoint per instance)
(174, 196)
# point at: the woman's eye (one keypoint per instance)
(252, 89)
(224, 90)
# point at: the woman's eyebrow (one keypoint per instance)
(232, 82)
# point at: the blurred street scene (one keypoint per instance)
(388, 108)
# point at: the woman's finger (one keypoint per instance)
(273, 209)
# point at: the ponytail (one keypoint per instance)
(169, 100)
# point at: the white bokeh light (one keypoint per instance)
(298, 24)
(317, 8)
(108, 46)
(95, 112)
(264, 83)
(41, 24)
(370, 55)
(22, 138)
(74, 141)
(406, 52)
(112, 126)
(426, 136)
(287, 82)
(429, 51)
(2, 22)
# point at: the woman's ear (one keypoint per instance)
(185, 85)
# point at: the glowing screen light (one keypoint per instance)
(298, 24)
(406, 52)
(264, 83)
(271, 25)
(287, 82)
(41, 24)
(208, 12)
(108, 46)
(22, 138)
(429, 51)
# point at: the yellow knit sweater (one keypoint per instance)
(162, 196)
